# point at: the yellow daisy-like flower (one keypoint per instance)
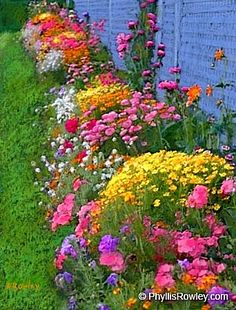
(216, 207)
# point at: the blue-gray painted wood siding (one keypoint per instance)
(191, 29)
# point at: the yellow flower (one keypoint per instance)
(156, 203)
(116, 291)
(216, 207)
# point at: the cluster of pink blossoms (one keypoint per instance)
(63, 214)
(139, 111)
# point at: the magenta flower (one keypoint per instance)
(132, 24)
(161, 53)
(149, 44)
(175, 70)
(71, 125)
(168, 85)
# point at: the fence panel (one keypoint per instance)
(191, 29)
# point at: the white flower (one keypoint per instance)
(52, 61)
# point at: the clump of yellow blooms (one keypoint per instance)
(103, 97)
(166, 175)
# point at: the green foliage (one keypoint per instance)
(13, 14)
(27, 246)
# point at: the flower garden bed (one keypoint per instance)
(146, 185)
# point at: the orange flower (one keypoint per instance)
(187, 278)
(193, 94)
(207, 282)
(131, 302)
(219, 54)
(209, 90)
(206, 307)
(147, 305)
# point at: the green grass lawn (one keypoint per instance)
(26, 245)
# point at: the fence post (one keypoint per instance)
(160, 8)
(109, 23)
(177, 33)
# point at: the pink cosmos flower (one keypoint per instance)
(115, 261)
(199, 198)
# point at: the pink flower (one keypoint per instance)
(77, 184)
(161, 46)
(161, 53)
(149, 44)
(163, 277)
(199, 198)
(185, 89)
(228, 187)
(110, 131)
(192, 246)
(141, 32)
(152, 16)
(143, 5)
(109, 117)
(126, 124)
(63, 214)
(174, 70)
(168, 85)
(60, 260)
(150, 116)
(132, 24)
(71, 125)
(115, 261)
(146, 73)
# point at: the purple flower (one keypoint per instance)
(223, 292)
(82, 242)
(229, 157)
(108, 244)
(125, 229)
(93, 264)
(67, 277)
(104, 307)
(112, 279)
(86, 14)
(67, 248)
(183, 263)
(72, 303)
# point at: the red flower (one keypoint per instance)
(71, 125)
